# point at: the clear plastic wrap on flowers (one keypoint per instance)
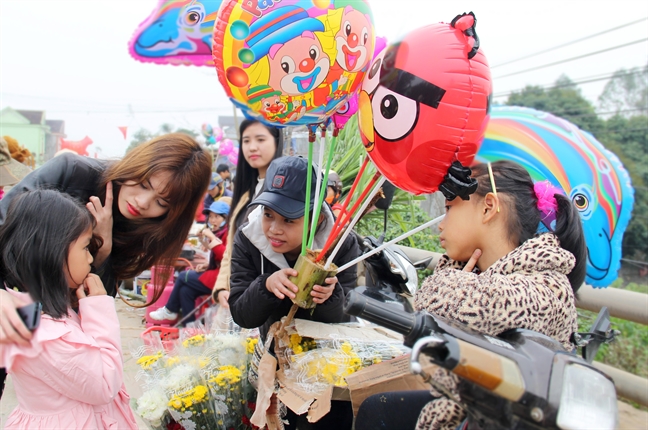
(190, 403)
(316, 364)
(202, 380)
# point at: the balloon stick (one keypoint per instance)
(322, 195)
(391, 242)
(354, 221)
(318, 184)
(346, 217)
(347, 200)
(311, 139)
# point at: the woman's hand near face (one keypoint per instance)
(103, 215)
(322, 293)
(279, 284)
(12, 328)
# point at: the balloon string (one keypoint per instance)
(391, 242)
(311, 139)
(356, 218)
(322, 194)
(346, 217)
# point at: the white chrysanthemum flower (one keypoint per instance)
(180, 376)
(152, 406)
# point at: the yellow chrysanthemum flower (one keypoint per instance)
(251, 344)
(147, 361)
(196, 340)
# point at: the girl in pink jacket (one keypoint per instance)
(70, 376)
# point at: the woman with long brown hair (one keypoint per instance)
(157, 188)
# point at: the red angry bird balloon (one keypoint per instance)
(425, 104)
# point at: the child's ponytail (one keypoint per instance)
(570, 233)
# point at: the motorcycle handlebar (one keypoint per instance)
(379, 313)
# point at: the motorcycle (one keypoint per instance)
(520, 379)
(390, 276)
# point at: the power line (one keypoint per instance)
(573, 58)
(585, 80)
(570, 43)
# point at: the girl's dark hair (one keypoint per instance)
(247, 176)
(35, 239)
(140, 244)
(515, 182)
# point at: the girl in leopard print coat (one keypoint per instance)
(498, 274)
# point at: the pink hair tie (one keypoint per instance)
(547, 205)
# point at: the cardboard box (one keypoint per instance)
(392, 375)
(389, 375)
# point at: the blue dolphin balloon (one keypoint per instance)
(177, 32)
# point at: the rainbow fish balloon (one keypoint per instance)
(177, 32)
(573, 160)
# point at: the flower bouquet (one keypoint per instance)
(189, 402)
(200, 383)
(316, 364)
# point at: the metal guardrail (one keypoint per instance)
(627, 305)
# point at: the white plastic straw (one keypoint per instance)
(354, 221)
(391, 242)
(320, 160)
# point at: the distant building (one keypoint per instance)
(33, 131)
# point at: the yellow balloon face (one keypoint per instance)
(294, 62)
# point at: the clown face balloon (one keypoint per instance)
(292, 62)
(424, 103)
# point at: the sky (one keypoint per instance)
(70, 57)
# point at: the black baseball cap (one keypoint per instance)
(284, 189)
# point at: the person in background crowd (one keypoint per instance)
(192, 284)
(224, 172)
(334, 192)
(260, 144)
(215, 191)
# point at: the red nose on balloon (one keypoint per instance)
(353, 40)
(420, 110)
(306, 65)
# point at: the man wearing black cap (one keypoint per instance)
(266, 249)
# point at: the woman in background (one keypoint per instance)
(260, 144)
